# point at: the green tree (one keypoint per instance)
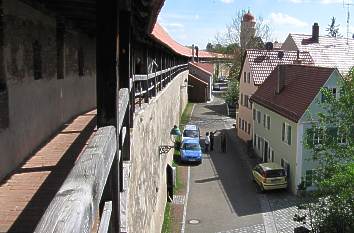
(333, 29)
(231, 95)
(332, 203)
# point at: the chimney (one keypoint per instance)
(281, 75)
(192, 52)
(297, 61)
(197, 53)
(315, 32)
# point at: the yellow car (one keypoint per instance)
(270, 176)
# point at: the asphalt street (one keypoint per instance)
(222, 196)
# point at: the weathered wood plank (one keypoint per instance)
(76, 204)
(123, 105)
(106, 217)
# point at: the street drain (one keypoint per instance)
(194, 221)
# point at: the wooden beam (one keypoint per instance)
(107, 56)
(75, 205)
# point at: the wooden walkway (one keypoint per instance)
(26, 194)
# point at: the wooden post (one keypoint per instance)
(125, 70)
(146, 84)
(107, 51)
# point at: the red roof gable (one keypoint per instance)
(302, 83)
(163, 37)
(206, 66)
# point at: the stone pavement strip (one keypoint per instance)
(25, 195)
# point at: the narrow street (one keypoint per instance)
(222, 197)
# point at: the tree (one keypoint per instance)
(332, 203)
(231, 95)
(231, 39)
(333, 29)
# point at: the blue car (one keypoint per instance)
(191, 150)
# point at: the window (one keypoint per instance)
(258, 143)
(341, 137)
(241, 99)
(243, 124)
(318, 136)
(286, 133)
(332, 90)
(244, 77)
(60, 41)
(254, 140)
(309, 178)
(264, 120)
(239, 123)
(268, 122)
(248, 77)
(37, 60)
(254, 114)
(258, 117)
(80, 59)
(246, 101)
(249, 128)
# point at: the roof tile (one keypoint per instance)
(302, 83)
(263, 62)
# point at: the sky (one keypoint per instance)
(199, 21)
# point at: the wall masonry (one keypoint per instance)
(37, 102)
(152, 125)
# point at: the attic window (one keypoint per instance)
(37, 60)
(80, 59)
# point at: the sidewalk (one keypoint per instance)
(25, 195)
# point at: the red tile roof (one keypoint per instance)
(206, 66)
(302, 83)
(329, 52)
(160, 34)
(198, 66)
(263, 62)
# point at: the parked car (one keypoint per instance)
(216, 87)
(270, 176)
(191, 132)
(191, 151)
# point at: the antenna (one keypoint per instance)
(347, 5)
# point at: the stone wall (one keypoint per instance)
(147, 185)
(38, 103)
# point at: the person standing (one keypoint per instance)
(207, 142)
(212, 140)
(223, 142)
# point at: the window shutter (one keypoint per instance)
(289, 135)
(283, 132)
(268, 122)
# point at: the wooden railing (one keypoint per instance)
(147, 86)
(90, 194)
(88, 200)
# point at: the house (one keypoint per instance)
(284, 107)
(200, 81)
(257, 65)
(325, 51)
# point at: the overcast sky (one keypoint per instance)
(198, 21)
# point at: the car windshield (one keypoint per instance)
(190, 133)
(275, 173)
(191, 146)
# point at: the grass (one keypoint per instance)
(166, 226)
(179, 184)
(186, 115)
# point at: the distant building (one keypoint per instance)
(200, 81)
(248, 30)
(284, 107)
